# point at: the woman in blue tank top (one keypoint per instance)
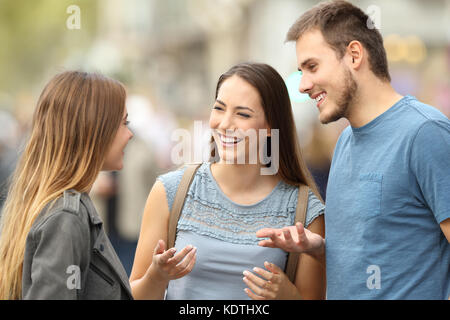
(236, 193)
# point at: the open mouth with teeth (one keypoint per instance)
(228, 141)
(320, 98)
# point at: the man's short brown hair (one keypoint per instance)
(340, 23)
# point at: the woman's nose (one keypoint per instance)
(226, 123)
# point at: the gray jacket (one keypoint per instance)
(69, 256)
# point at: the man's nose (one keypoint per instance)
(305, 84)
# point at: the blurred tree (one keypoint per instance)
(34, 37)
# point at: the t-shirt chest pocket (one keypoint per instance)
(369, 195)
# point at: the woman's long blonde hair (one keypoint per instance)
(74, 124)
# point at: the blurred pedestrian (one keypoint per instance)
(9, 141)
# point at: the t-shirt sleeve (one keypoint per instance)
(315, 208)
(430, 163)
(171, 180)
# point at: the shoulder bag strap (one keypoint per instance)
(178, 202)
(300, 215)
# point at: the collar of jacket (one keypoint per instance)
(72, 203)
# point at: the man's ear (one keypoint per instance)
(355, 53)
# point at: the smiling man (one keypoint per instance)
(388, 204)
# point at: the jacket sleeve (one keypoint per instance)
(56, 256)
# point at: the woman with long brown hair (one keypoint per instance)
(231, 198)
(52, 242)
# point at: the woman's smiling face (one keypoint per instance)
(237, 114)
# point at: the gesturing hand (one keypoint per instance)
(291, 239)
(169, 266)
(273, 284)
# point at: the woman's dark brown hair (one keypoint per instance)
(278, 112)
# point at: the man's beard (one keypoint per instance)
(346, 99)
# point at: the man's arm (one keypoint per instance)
(429, 162)
(445, 227)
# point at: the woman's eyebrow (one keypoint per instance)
(221, 102)
(238, 107)
(246, 108)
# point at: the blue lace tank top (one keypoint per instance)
(224, 233)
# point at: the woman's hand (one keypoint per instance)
(168, 266)
(273, 284)
(293, 239)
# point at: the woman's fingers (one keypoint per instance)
(252, 295)
(191, 263)
(265, 232)
(260, 288)
(173, 265)
(277, 238)
(265, 284)
(160, 247)
(287, 234)
(180, 255)
(273, 269)
(301, 233)
(251, 283)
(272, 234)
(254, 279)
(187, 260)
(292, 239)
(266, 243)
(264, 273)
(164, 258)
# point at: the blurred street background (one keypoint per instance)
(169, 54)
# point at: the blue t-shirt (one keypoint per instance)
(388, 190)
